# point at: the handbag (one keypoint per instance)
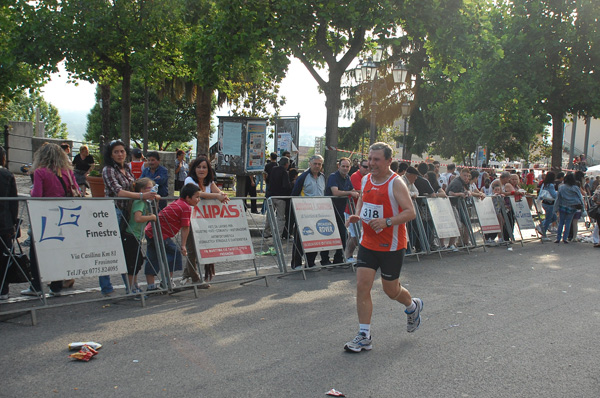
(545, 195)
(19, 267)
(593, 212)
(70, 192)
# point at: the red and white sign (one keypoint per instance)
(316, 224)
(221, 232)
(487, 215)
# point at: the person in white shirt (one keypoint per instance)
(487, 187)
(447, 177)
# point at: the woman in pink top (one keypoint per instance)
(53, 178)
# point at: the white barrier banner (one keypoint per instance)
(76, 238)
(443, 217)
(522, 213)
(487, 215)
(316, 224)
(221, 232)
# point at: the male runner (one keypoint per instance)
(384, 207)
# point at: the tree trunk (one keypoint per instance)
(146, 110)
(126, 108)
(105, 93)
(333, 104)
(557, 140)
(203, 120)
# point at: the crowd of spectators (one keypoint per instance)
(567, 203)
(563, 197)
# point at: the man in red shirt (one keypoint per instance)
(173, 218)
(384, 208)
(530, 177)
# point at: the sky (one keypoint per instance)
(299, 87)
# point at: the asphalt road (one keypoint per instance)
(520, 323)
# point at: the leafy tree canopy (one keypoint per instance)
(230, 52)
(27, 52)
(110, 41)
(551, 56)
(171, 122)
(326, 37)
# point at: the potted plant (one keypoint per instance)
(529, 189)
(95, 179)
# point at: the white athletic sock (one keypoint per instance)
(365, 328)
(412, 307)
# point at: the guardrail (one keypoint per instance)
(80, 239)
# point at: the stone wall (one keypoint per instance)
(167, 159)
(19, 145)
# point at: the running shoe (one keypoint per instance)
(414, 318)
(491, 242)
(137, 294)
(152, 288)
(360, 342)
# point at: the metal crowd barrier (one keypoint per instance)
(18, 304)
(444, 219)
(437, 220)
(285, 252)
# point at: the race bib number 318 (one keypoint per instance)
(370, 211)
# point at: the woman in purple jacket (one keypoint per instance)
(53, 178)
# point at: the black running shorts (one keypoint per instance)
(390, 263)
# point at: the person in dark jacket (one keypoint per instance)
(8, 218)
(568, 201)
(340, 186)
(279, 185)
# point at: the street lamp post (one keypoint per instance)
(405, 114)
(367, 72)
(400, 73)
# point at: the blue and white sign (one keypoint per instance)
(76, 238)
(316, 220)
(522, 213)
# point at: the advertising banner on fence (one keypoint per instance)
(487, 215)
(76, 238)
(522, 213)
(443, 217)
(316, 224)
(221, 232)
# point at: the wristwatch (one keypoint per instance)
(388, 222)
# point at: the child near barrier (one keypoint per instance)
(173, 218)
(132, 236)
(498, 208)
